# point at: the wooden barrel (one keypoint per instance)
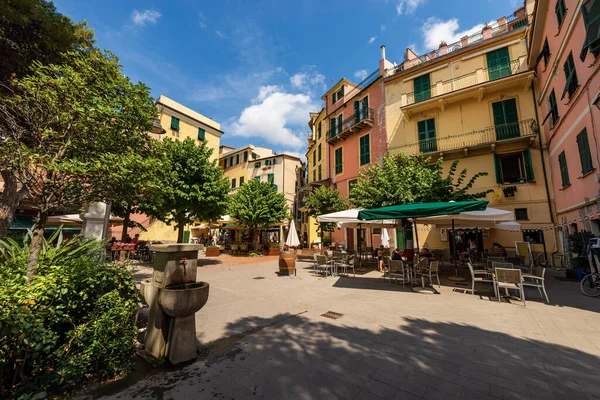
(287, 262)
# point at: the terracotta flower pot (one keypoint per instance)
(274, 251)
(213, 252)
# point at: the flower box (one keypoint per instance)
(274, 251)
(213, 252)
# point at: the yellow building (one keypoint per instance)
(473, 100)
(236, 162)
(180, 122)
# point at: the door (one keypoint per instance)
(427, 141)
(498, 64)
(400, 244)
(350, 238)
(506, 119)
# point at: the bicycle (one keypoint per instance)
(590, 284)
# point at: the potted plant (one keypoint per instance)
(212, 251)
(274, 249)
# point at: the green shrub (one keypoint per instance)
(75, 320)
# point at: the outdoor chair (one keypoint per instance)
(506, 278)
(324, 264)
(516, 260)
(505, 265)
(395, 271)
(536, 279)
(431, 271)
(348, 263)
(478, 275)
(234, 249)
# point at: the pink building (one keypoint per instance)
(356, 138)
(564, 50)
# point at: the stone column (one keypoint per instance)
(94, 220)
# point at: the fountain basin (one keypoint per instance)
(183, 300)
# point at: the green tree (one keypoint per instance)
(323, 200)
(194, 186)
(31, 30)
(412, 178)
(257, 205)
(68, 132)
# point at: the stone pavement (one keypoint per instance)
(266, 338)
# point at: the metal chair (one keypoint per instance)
(348, 263)
(505, 265)
(321, 262)
(395, 271)
(431, 271)
(478, 275)
(536, 279)
(507, 278)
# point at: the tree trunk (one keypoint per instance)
(9, 201)
(180, 228)
(126, 223)
(35, 246)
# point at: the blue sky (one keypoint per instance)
(259, 66)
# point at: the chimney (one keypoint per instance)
(464, 41)
(386, 68)
(383, 52)
(443, 48)
(486, 32)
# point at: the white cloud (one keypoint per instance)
(382, 27)
(277, 118)
(408, 6)
(202, 20)
(435, 30)
(298, 80)
(143, 18)
(361, 74)
(220, 34)
(372, 39)
(308, 79)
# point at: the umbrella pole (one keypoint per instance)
(455, 278)
(422, 289)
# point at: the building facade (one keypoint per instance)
(238, 162)
(565, 45)
(473, 100)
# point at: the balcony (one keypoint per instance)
(355, 123)
(517, 131)
(474, 84)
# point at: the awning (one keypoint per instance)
(421, 210)
(490, 215)
(349, 218)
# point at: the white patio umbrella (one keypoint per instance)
(385, 238)
(292, 239)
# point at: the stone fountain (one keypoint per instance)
(174, 297)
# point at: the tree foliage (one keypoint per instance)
(70, 131)
(194, 187)
(412, 178)
(257, 205)
(323, 200)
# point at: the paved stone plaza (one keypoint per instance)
(263, 336)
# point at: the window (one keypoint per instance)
(513, 167)
(584, 152)
(241, 180)
(338, 161)
(269, 162)
(533, 236)
(361, 109)
(237, 159)
(365, 150)
(271, 179)
(564, 170)
(201, 134)
(351, 184)
(552, 109)
(245, 156)
(560, 9)
(314, 158)
(427, 141)
(175, 123)
(591, 18)
(319, 151)
(521, 214)
(257, 178)
(319, 129)
(257, 165)
(498, 63)
(314, 175)
(545, 53)
(506, 119)
(571, 76)
(320, 175)
(233, 183)
(422, 88)
(337, 95)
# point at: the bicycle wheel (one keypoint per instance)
(590, 285)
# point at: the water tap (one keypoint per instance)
(183, 263)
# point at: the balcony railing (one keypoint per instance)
(492, 134)
(480, 75)
(364, 117)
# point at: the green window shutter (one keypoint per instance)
(365, 150)
(233, 183)
(201, 134)
(341, 92)
(319, 129)
(175, 123)
(564, 169)
(553, 107)
(506, 119)
(245, 156)
(332, 127)
(237, 159)
(340, 123)
(257, 178)
(314, 175)
(560, 11)
(319, 150)
(528, 165)
(422, 88)
(427, 142)
(314, 158)
(320, 175)
(274, 187)
(498, 63)
(241, 180)
(271, 178)
(498, 169)
(338, 160)
(356, 111)
(590, 9)
(585, 156)
(571, 76)
(257, 165)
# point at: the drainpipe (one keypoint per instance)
(555, 250)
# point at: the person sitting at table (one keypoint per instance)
(426, 253)
(135, 239)
(128, 239)
(380, 259)
(471, 247)
(396, 254)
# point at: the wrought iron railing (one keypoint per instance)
(491, 134)
(363, 114)
(480, 75)
(512, 23)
